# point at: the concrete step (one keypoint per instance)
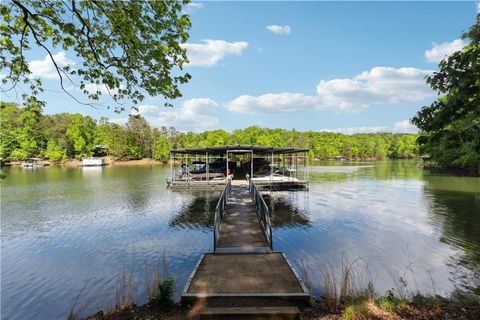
(250, 313)
(243, 250)
(264, 301)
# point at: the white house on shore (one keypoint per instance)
(93, 162)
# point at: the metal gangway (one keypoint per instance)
(243, 269)
(241, 221)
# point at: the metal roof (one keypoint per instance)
(220, 150)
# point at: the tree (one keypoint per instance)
(161, 148)
(450, 126)
(10, 125)
(82, 133)
(125, 47)
(139, 137)
(28, 136)
(54, 127)
(54, 152)
(117, 142)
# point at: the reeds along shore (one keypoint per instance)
(348, 293)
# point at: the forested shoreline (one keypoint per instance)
(26, 132)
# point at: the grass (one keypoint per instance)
(357, 311)
(348, 291)
(348, 283)
(160, 288)
(124, 292)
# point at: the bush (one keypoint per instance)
(389, 301)
(348, 313)
(164, 294)
(356, 311)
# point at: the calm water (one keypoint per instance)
(67, 229)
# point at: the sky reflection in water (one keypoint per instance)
(62, 228)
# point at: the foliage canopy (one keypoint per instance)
(450, 126)
(127, 47)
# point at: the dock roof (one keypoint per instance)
(239, 148)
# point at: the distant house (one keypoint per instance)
(93, 162)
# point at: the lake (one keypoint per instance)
(71, 231)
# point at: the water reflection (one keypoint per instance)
(198, 213)
(56, 221)
(284, 209)
(455, 203)
(398, 170)
(400, 220)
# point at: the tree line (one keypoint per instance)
(26, 132)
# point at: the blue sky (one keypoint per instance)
(343, 66)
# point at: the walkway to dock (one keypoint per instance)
(244, 275)
(240, 227)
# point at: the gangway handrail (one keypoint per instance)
(263, 212)
(220, 211)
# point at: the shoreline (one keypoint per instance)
(386, 307)
(74, 163)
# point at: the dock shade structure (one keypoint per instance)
(268, 167)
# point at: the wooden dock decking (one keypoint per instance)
(244, 271)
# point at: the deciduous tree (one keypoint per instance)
(450, 126)
(127, 47)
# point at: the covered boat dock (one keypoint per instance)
(277, 168)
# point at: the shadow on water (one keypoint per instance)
(455, 203)
(283, 212)
(197, 214)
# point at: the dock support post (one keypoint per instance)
(251, 165)
(207, 166)
(296, 166)
(271, 171)
(172, 176)
(305, 166)
(226, 174)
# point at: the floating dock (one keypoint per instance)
(244, 276)
(271, 168)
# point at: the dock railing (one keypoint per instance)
(263, 212)
(220, 211)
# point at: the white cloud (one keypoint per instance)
(45, 68)
(210, 52)
(404, 126)
(273, 103)
(442, 50)
(195, 5)
(279, 29)
(93, 88)
(194, 115)
(353, 130)
(380, 85)
(478, 7)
